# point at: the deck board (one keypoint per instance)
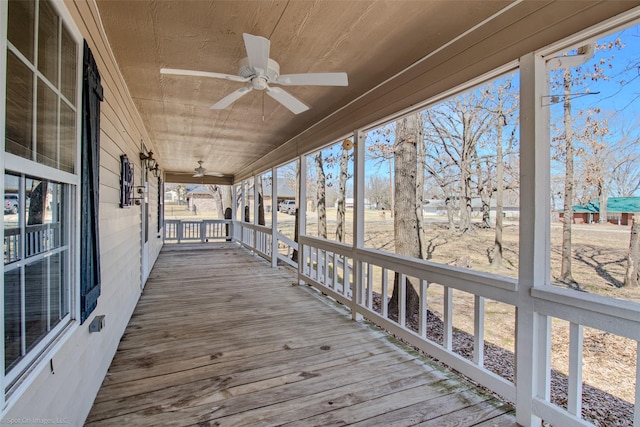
(221, 338)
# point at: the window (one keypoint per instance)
(36, 263)
(52, 141)
(40, 181)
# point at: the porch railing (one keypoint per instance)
(259, 238)
(256, 238)
(349, 275)
(362, 280)
(38, 238)
(206, 230)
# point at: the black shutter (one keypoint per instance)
(89, 185)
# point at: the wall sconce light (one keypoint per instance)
(148, 161)
(156, 170)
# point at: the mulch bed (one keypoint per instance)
(598, 407)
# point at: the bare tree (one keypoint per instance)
(321, 195)
(382, 150)
(457, 125)
(216, 193)
(342, 193)
(570, 79)
(625, 176)
(632, 275)
(565, 270)
(507, 106)
(377, 191)
(405, 222)
(227, 196)
(420, 171)
(442, 170)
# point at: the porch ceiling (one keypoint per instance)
(371, 41)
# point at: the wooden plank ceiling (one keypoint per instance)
(372, 41)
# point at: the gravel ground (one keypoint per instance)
(598, 407)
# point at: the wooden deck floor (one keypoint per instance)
(220, 338)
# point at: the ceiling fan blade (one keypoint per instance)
(178, 72)
(313, 79)
(257, 51)
(231, 98)
(285, 98)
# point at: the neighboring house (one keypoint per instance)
(619, 211)
(349, 203)
(201, 197)
(171, 196)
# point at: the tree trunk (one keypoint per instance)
(420, 161)
(342, 194)
(632, 276)
(217, 197)
(484, 191)
(603, 199)
(227, 196)
(404, 219)
(321, 196)
(261, 220)
(465, 199)
(466, 152)
(565, 272)
(496, 260)
(449, 204)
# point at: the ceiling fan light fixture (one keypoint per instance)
(259, 83)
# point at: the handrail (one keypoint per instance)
(202, 230)
(320, 258)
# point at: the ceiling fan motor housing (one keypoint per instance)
(259, 78)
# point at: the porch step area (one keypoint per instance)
(220, 338)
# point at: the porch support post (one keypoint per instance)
(255, 210)
(532, 329)
(358, 220)
(301, 213)
(243, 201)
(4, 11)
(274, 217)
(234, 209)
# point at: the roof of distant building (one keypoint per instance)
(614, 205)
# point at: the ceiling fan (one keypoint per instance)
(260, 72)
(200, 171)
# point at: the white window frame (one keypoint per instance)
(23, 374)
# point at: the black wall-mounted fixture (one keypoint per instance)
(150, 163)
(126, 182)
(147, 160)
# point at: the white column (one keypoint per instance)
(234, 210)
(4, 6)
(302, 211)
(358, 218)
(274, 217)
(255, 210)
(532, 330)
